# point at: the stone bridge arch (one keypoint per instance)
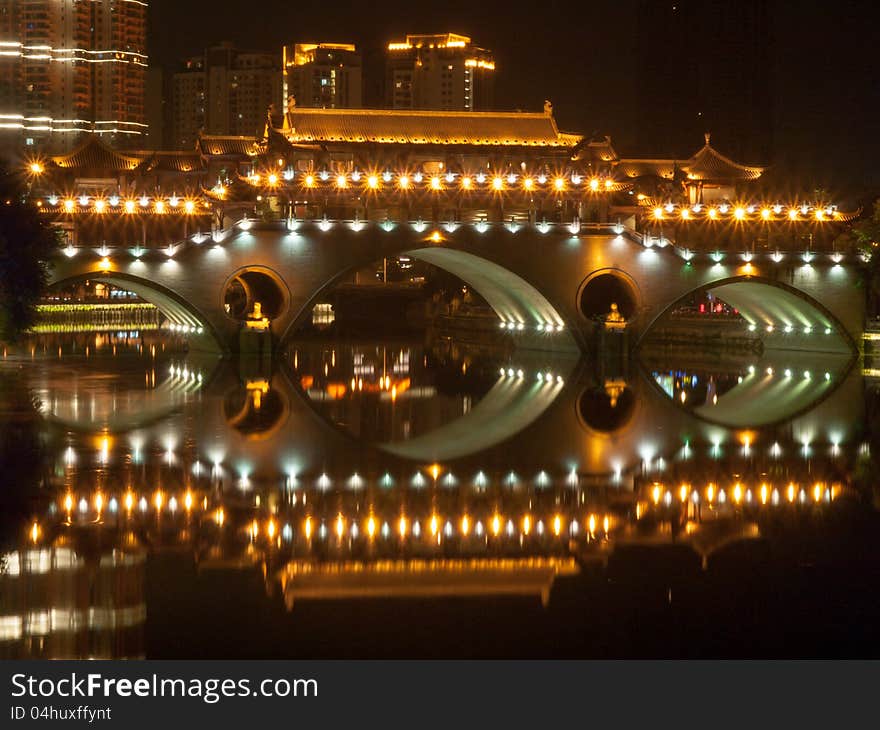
(532, 275)
(787, 317)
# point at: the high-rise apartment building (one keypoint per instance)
(444, 71)
(224, 91)
(68, 66)
(324, 75)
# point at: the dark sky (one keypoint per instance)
(581, 56)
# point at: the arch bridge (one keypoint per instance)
(550, 284)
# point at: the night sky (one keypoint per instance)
(581, 56)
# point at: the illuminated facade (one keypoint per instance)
(223, 91)
(443, 71)
(68, 67)
(326, 75)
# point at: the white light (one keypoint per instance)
(245, 224)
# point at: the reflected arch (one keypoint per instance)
(787, 317)
(174, 307)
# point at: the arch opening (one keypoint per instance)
(249, 288)
(782, 316)
(519, 306)
(174, 308)
(603, 292)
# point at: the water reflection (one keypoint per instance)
(396, 470)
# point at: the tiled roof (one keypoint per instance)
(223, 146)
(173, 161)
(638, 168)
(707, 164)
(94, 154)
(425, 127)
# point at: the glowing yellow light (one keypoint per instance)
(105, 264)
(188, 501)
(340, 526)
(309, 181)
(683, 492)
(685, 214)
(36, 168)
(435, 183)
(713, 214)
(69, 205)
(433, 525)
(435, 471)
(341, 182)
(373, 182)
(737, 492)
(658, 213)
(606, 524)
(820, 215)
(557, 525)
(792, 214)
(559, 183)
(35, 532)
(591, 524)
(221, 191)
(496, 524)
(466, 183)
(594, 184)
(436, 237)
(273, 179)
(219, 517)
(528, 183)
(655, 493)
(403, 182)
(608, 184)
(497, 183)
(158, 499)
(817, 492)
(128, 501)
(739, 213)
(710, 493)
(401, 526)
(791, 492)
(99, 502)
(160, 206)
(254, 529)
(763, 494)
(270, 529)
(100, 206)
(307, 528)
(465, 525)
(765, 213)
(526, 525)
(68, 503)
(371, 526)
(189, 207)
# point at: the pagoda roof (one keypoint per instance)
(93, 153)
(380, 126)
(182, 161)
(226, 146)
(706, 164)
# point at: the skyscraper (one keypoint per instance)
(325, 75)
(68, 66)
(443, 71)
(225, 91)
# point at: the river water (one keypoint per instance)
(423, 498)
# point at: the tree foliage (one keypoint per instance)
(27, 241)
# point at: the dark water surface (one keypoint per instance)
(411, 499)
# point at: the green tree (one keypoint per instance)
(27, 241)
